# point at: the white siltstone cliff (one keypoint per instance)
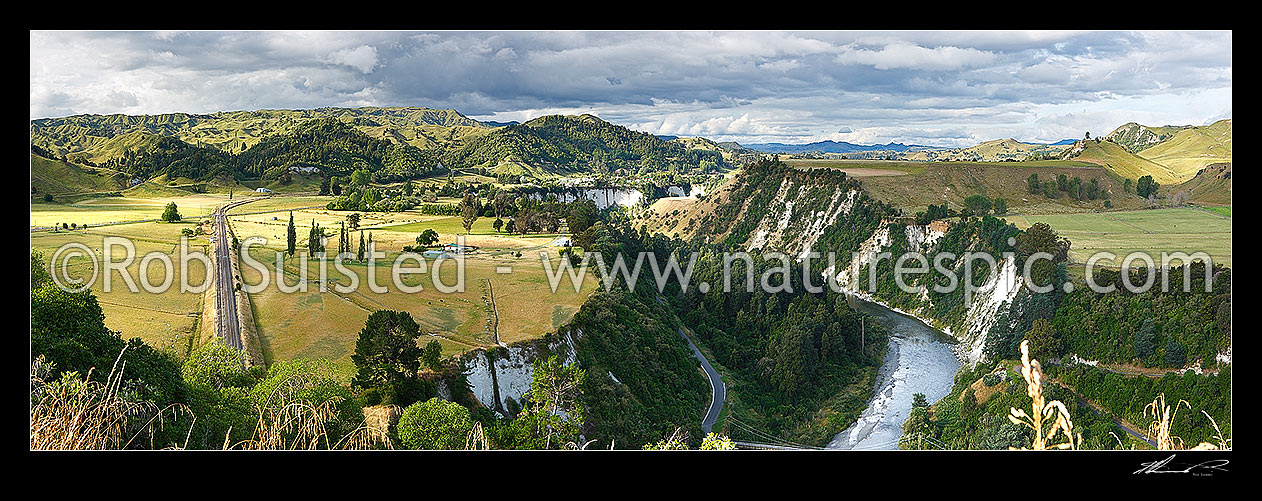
(513, 370)
(999, 289)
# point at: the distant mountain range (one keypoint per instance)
(845, 147)
(1062, 142)
(833, 147)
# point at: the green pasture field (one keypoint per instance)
(165, 320)
(326, 323)
(1153, 231)
(95, 211)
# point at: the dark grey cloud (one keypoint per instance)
(947, 88)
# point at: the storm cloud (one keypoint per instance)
(932, 88)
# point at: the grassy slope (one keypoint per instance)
(951, 183)
(1211, 185)
(1126, 164)
(1192, 149)
(57, 177)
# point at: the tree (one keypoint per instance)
(1042, 238)
(501, 203)
(359, 256)
(1146, 186)
(361, 177)
(978, 205)
(68, 328)
(1032, 184)
(715, 442)
(313, 383)
(499, 223)
(434, 424)
(582, 215)
(1146, 340)
(1176, 355)
(386, 356)
(352, 221)
(291, 236)
(554, 409)
(315, 238)
(39, 272)
(795, 361)
(470, 207)
(1045, 342)
(171, 214)
(919, 400)
(431, 355)
(218, 387)
(427, 238)
(1000, 205)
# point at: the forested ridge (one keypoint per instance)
(404, 144)
(584, 143)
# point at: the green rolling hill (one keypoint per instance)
(55, 177)
(1114, 157)
(1190, 150)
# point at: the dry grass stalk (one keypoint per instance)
(476, 440)
(80, 414)
(1223, 443)
(1159, 428)
(1163, 415)
(287, 422)
(1043, 411)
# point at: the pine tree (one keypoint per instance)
(360, 256)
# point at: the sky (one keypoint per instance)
(950, 89)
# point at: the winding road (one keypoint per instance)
(717, 388)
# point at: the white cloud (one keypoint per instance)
(936, 88)
(362, 58)
(912, 56)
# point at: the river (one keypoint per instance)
(919, 360)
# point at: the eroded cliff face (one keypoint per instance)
(983, 309)
(504, 373)
(793, 227)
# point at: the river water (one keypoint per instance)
(919, 360)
